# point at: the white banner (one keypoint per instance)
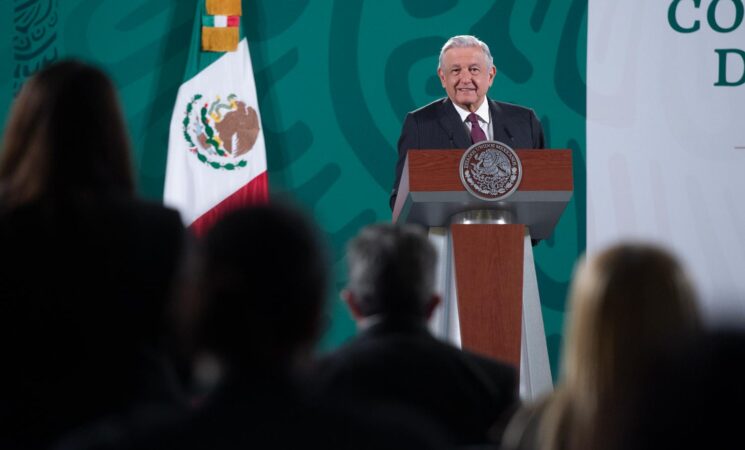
(666, 136)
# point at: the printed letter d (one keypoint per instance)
(724, 58)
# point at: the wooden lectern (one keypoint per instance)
(489, 250)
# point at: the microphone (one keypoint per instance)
(452, 141)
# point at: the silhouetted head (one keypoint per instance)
(65, 134)
(262, 284)
(391, 272)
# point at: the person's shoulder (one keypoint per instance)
(492, 365)
(511, 109)
(370, 352)
(143, 211)
(350, 354)
(138, 223)
(153, 208)
(430, 109)
(496, 370)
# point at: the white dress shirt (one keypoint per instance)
(484, 119)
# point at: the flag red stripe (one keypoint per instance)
(233, 21)
(255, 192)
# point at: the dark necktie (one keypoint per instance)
(477, 134)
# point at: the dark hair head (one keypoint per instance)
(262, 283)
(392, 270)
(65, 134)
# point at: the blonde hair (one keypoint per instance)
(627, 304)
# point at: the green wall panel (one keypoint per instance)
(335, 79)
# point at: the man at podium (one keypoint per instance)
(466, 70)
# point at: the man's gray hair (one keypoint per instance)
(463, 41)
(392, 270)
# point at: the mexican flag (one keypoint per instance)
(216, 151)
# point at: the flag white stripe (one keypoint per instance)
(221, 21)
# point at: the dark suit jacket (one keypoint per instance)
(401, 363)
(264, 409)
(438, 126)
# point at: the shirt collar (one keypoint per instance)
(482, 112)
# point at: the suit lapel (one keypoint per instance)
(450, 122)
(500, 124)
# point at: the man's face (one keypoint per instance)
(466, 76)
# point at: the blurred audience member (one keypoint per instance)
(394, 359)
(261, 283)
(628, 305)
(86, 268)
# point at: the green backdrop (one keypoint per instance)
(335, 80)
